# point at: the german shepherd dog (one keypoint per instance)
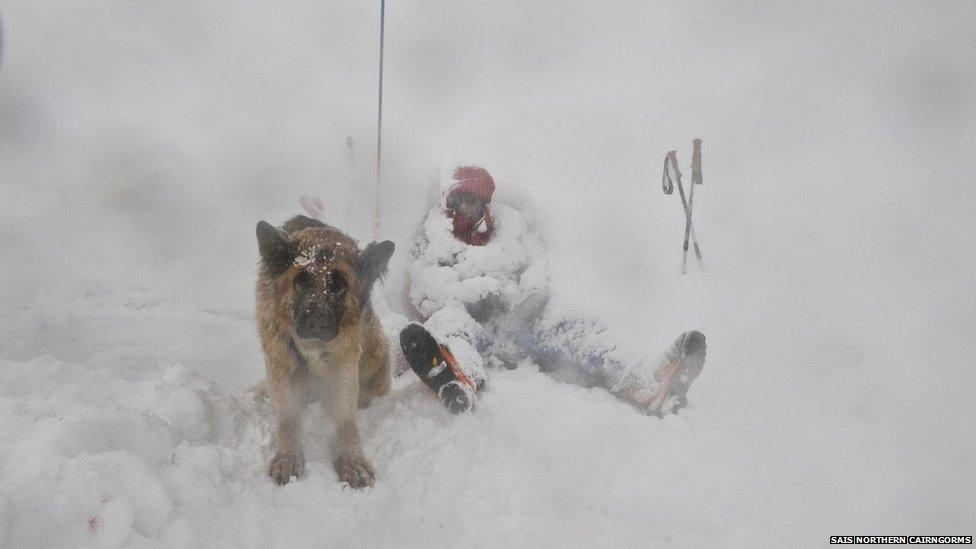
(320, 337)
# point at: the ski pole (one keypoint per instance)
(379, 126)
(667, 185)
(673, 156)
(696, 179)
(672, 159)
(696, 175)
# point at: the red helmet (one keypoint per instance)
(477, 181)
(470, 179)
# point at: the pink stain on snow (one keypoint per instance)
(313, 205)
(93, 520)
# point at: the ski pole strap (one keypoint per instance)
(666, 182)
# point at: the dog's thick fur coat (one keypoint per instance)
(320, 337)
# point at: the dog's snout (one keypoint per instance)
(314, 330)
(316, 313)
(312, 322)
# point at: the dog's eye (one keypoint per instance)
(336, 284)
(303, 279)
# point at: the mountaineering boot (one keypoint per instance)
(686, 358)
(437, 368)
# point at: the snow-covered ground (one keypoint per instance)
(140, 142)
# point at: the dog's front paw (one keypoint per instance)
(286, 465)
(355, 471)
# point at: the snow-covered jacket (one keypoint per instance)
(505, 274)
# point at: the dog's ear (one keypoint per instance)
(276, 253)
(372, 261)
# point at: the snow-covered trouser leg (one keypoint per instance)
(578, 351)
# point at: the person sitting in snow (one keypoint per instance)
(479, 278)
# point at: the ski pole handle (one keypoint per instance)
(696, 174)
(673, 159)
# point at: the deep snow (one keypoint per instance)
(140, 143)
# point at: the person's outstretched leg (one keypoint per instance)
(581, 352)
